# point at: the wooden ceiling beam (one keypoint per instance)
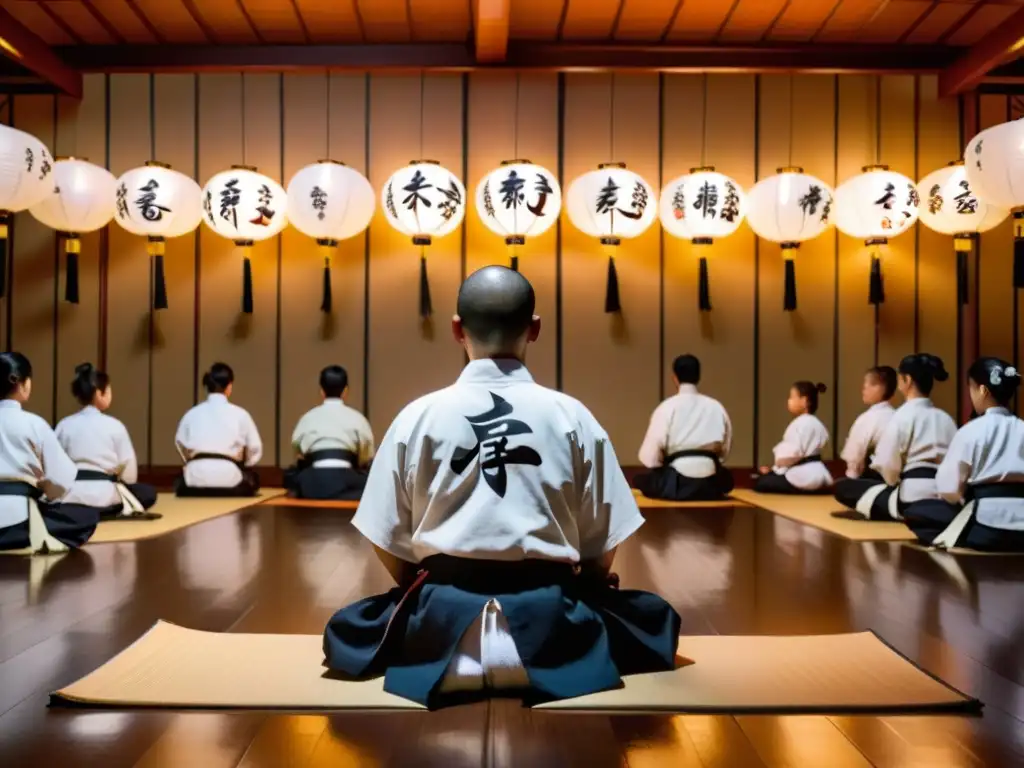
(1001, 45)
(491, 30)
(22, 46)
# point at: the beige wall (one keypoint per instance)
(620, 366)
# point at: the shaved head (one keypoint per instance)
(496, 307)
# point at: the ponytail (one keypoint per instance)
(88, 382)
(924, 370)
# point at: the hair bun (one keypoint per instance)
(84, 369)
(206, 379)
(822, 389)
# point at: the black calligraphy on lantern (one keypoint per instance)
(913, 198)
(707, 200)
(230, 197)
(887, 199)
(266, 213)
(543, 188)
(146, 202)
(415, 187)
(208, 207)
(638, 202)
(488, 201)
(30, 159)
(809, 203)
(826, 210)
(679, 203)
(493, 430)
(966, 202)
(512, 190)
(977, 152)
(318, 199)
(44, 167)
(935, 200)
(389, 201)
(121, 199)
(608, 197)
(731, 204)
(452, 200)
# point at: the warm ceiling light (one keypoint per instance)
(10, 48)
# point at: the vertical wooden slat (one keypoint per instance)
(174, 327)
(245, 342)
(406, 356)
(32, 291)
(800, 344)
(6, 104)
(938, 143)
(494, 122)
(128, 275)
(606, 356)
(82, 132)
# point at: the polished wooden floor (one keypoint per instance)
(742, 571)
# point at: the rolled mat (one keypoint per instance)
(175, 668)
(817, 511)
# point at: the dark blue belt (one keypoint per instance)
(919, 473)
(95, 474)
(18, 488)
(995, 491)
(694, 453)
(808, 460)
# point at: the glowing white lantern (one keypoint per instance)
(84, 202)
(611, 203)
(874, 206)
(994, 161)
(244, 206)
(25, 179)
(424, 200)
(159, 203)
(789, 208)
(518, 200)
(330, 202)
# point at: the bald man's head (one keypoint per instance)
(496, 307)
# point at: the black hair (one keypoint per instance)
(924, 370)
(997, 376)
(810, 391)
(496, 305)
(886, 376)
(14, 369)
(88, 381)
(217, 379)
(333, 380)
(687, 369)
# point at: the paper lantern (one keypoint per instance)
(330, 202)
(789, 208)
(83, 202)
(26, 168)
(611, 203)
(518, 200)
(701, 206)
(424, 200)
(874, 206)
(244, 206)
(159, 203)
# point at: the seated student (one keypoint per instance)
(333, 442)
(912, 445)
(102, 450)
(877, 390)
(496, 505)
(798, 466)
(983, 467)
(687, 441)
(219, 443)
(32, 464)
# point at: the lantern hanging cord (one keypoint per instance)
(515, 122)
(878, 119)
(704, 123)
(791, 120)
(152, 117)
(611, 115)
(241, 78)
(423, 81)
(327, 91)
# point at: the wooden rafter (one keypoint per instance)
(491, 30)
(21, 45)
(1001, 45)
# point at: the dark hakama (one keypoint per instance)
(929, 518)
(849, 492)
(575, 633)
(306, 481)
(249, 486)
(665, 482)
(772, 482)
(72, 527)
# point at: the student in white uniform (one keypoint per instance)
(33, 465)
(108, 472)
(983, 468)
(798, 466)
(334, 445)
(687, 442)
(219, 443)
(910, 450)
(877, 391)
(497, 504)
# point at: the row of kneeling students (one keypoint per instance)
(56, 485)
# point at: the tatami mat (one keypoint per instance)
(642, 502)
(817, 511)
(176, 668)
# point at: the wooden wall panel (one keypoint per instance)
(128, 271)
(408, 357)
(610, 361)
(938, 143)
(174, 332)
(248, 343)
(800, 344)
(315, 339)
(33, 290)
(530, 133)
(82, 132)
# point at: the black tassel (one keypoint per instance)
(514, 266)
(1018, 262)
(3, 265)
(71, 286)
(962, 278)
(789, 300)
(704, 286)
(159, 284)
(327, 303)
(247, 286)
(426, 307)
(876, 294)
(611, 291)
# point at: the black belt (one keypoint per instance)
(496, 576)
(995, 491)
(919, 473)
(201, 456)
(808, 460)
(332, 453)
(694, 453)
(18, 488)
(95, 474)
